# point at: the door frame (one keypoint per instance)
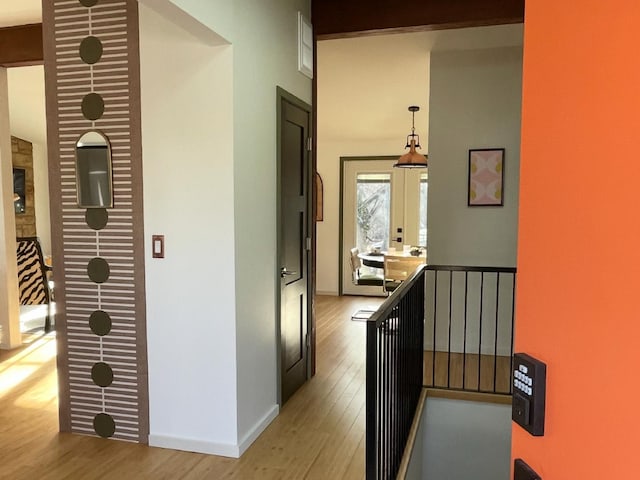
(282, 94)
(344, 160)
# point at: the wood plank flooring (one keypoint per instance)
(319, 433)
(465, 368)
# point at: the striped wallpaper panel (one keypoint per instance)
(103, 375)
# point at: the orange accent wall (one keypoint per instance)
(578, 305)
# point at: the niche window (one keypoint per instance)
(93, 171)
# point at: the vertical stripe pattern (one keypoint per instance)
(121, 296)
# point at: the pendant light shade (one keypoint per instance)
(412, 159)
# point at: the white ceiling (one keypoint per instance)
(366, 84)
(20, 12)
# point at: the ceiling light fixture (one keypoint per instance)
(412, 159)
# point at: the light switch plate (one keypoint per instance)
(157, 246)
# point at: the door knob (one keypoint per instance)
(284, 272)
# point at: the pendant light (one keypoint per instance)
(412, 159)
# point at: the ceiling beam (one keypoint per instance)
(348, 18)
(21, 45)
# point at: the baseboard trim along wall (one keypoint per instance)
(332, 293)
(258, 428)
(194, 445)
(214, 448)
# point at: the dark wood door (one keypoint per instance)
(295, 196)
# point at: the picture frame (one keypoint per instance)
(486, 177)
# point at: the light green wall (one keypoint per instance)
(265, 56)
(475, 103)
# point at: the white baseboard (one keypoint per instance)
(214, 448)
(194, 445)
(258, 428)
(330, 294)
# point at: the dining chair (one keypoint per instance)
(397, 268)
(33, 283)
(360, 278)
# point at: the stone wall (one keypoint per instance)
(22, 157)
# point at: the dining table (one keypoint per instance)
(376, 259)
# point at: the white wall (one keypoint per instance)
(464, 440)
(475, 103)
(187, 113)
(41, 192)
(265, 49)
(9, 305)
(209, 139)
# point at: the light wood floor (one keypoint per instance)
(319, 433)
(492, 374)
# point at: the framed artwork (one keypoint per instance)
(486, 177)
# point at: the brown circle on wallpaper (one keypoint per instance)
(104, 425)
(88, 3)
(92, 106)
(98, 270)
(100, 323)
(91, 50)
(96, 218)
(102, 374)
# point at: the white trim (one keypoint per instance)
(332, 293)
(194, 445)
(258, 428)
(214, 448)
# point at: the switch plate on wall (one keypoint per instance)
(157, 246)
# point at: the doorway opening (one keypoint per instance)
(383, 209)
(29, 164)
(28, 372)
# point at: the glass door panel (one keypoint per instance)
(373, 211)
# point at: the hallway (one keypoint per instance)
(319, 433)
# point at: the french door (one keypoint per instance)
(382, 207)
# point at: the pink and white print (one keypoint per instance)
(485, 176)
